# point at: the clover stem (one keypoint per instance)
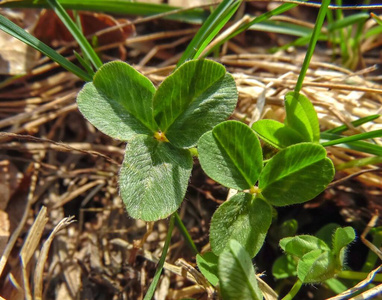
(294, 290)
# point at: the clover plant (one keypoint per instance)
(159, 126)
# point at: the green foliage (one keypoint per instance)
(231, 154)
(244, 218)
(316, 261)
(208, 265)
(157, 124)
(153, 178)
(192, 100)
(277, 134)
(237, 274)
(296, 174)
(301, 116)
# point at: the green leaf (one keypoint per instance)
(296, 174)
(191, 101)
(285, 266)
(300, 245)
(153, 178)
(326, 233)
(316, 266)
(119, 101)
(342, 237)
(277, 134)
(231, 155)
(302, 117)
(208, 265)
(243, 218)
(237, 274)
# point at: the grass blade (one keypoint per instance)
(356, 123)
(312, 44)
(357, 163)
(20, 34)
(360, 146)
(209, 29)
(194, 15)
(282, 8)
(76, 33)
(353, 138)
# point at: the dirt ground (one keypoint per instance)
(64, 232)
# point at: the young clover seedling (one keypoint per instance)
(159, 126)
(311, 258)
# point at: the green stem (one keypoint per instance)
(294, 290)
(354, 275)
(186, 235)
(154, 283)
(312, 44)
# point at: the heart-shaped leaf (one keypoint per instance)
(302, 117)
(119, 101)
(231, 155)
(153, 178)
(277, 134)
(208, 265)
(316, 266)
(300, 245)
(296, 174)
(341, 239)
(195, 98)
(243, 218)
(237, 274)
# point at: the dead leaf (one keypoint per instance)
(50, 30)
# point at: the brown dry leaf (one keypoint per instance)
(51, 30)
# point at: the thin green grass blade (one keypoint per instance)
(360, 146)
(357, 163)
(20, 34)
(312, 44)
(128, 7)
(209, 29)
(158, 272)
(356, 123)
(281, 28)
(279, 10)
(356, 137)
(76, 33)
(348, 21)
(376, 18)
(84, 63)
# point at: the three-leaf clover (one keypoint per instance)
(159, 126)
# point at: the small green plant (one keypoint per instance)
(185, 116)
(160, 125)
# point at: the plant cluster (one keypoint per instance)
(185, 117)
